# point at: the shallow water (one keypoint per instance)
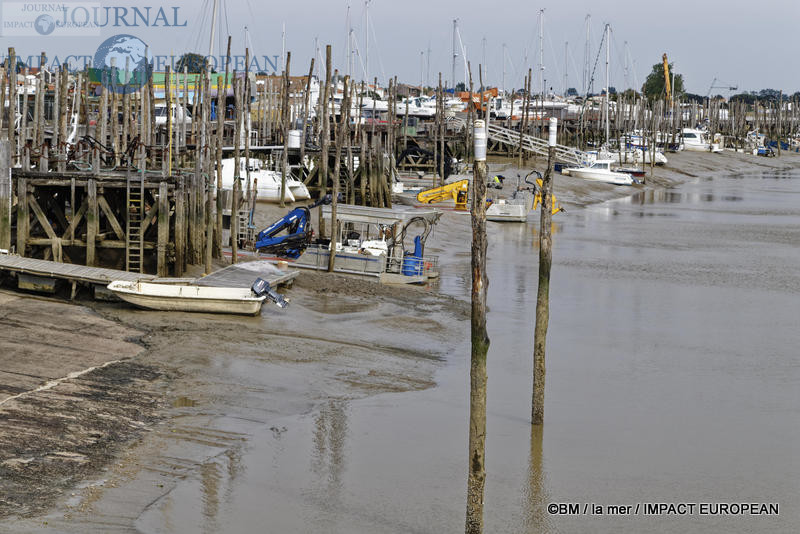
(673, 376)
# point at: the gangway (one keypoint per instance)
(565, 154)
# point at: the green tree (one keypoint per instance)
(195, 63)
(654, 84)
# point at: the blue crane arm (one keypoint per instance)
(295, 223)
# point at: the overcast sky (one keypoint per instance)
(748, 44)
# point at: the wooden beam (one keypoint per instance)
(40, 216)
(23, 216)
(92, 216)
(112, 219)
(76, 220)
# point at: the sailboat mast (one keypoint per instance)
(504, 70)
(541, 50)
(455, 53)
(586, 59)
(213, 28)
(608, 88)
(566, 64)
(366, 39)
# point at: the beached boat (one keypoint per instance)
(696, 140)
(187, 298)
(600, 171)
(269, 182)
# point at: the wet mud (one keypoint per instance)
(296, 415)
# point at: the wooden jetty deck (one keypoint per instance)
(66, 271)
(244, 274)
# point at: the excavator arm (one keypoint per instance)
(537, 197)
(458, 191)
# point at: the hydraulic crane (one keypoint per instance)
(458, 191)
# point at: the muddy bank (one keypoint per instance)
(71, 397)
(233, 378)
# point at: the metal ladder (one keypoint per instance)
(247, 235)
(133, 232)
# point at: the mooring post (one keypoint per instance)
(543, 293)
(180, 228)
(5, 194)
(480, 339)
(91, 222)
(163, 230)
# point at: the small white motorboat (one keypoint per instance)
(600, 171)
(188, 298)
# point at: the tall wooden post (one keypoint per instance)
(306, 103)
(163, 229)
(5, 193)
(543, 293)
(480, 339)
(345, 114)
(180, 227)
(92, 216)
(285, 113)
(325, 133)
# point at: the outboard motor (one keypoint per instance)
(262, 288)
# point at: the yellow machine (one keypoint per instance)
(458, 191)
(667, 85)
(537, 199)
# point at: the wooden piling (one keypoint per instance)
(543, 292)
(92, 216)
(343, 124)
(285, 114)
(163, 230)
(6, 194)
(479, 350)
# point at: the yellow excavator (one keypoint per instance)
(458, 191)
(537, 198)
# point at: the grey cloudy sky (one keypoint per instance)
(738, 42)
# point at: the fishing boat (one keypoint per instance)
(600, 171)
(188, 298)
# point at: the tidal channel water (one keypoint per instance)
(673, 375)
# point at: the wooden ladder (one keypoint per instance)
(134, 240)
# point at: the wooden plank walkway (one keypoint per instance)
(244, 274)
(66, 271)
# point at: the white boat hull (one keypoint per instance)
(509, 211)
(615, 178)
(164, 297)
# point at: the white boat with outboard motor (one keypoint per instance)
(193, 298)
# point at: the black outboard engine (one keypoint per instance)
(261, 287)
